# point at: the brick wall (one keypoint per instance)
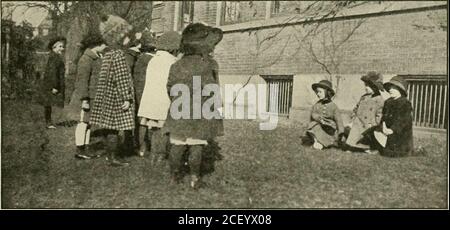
(389, 44)
(163, 16)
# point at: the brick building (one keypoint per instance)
(270, 42)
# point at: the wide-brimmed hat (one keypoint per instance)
(323, 84)
(113, 28)
(399, 83)
(168, 41)
(374, 79)
(54, 40)
(200, 38)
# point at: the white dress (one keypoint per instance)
(155, 100)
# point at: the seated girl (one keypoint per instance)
(395, 133)
(367, 112)
(326, 125)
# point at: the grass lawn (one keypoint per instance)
(260, 169)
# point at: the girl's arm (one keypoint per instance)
(122, 78)
(338, 119)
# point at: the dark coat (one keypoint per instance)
(397, 114)
(139, 75)
(88, 70)
(182, 72)
(53, 79)
(114, 87)
(131, 57)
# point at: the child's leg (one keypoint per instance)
(195, 159)
(176, 161)
(142, 141)
(48, 116)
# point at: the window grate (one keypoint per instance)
(279, 96)
(428, 96)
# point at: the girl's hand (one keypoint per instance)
(85, 105)
(387, 130)
(54, 91)
(126, 106)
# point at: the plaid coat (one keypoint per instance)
(114, 87)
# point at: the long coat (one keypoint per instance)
(53, 79)
(327, 134)
(88, 71)
(155, 100)
(182, 72)
(397, 114)
(139, 73)
(114, 87)
(366, 114)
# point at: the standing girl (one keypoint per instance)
(53, 82)
(190, 135)
(88, 70)
(155, 101)
(113, 107)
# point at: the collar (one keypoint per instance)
(91, 54)
(325, 101)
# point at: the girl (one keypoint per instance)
(326, 124)
(88, 69)
(367, 112)
(53, 82)
(396, 122)
(139, 73)
(155, 101)
(113, 106)
(188, 134)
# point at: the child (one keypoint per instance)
(113, 106)
(139, 73)
(88, 70)
(52, 85)
(396, 122)
(155, 101)
(326, 125)
(367, 112)
(191, 135)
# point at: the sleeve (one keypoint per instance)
(171, 79)
(338, 119)
(84, 71)
(402, 119)
(122, 78)
(315, 116)
(61, 73)
(355, 110)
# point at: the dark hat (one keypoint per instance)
(148, 39)
(55, 40)
(399, 83)
(92, 39)
(323, 84)
(200, 38)
(374, 79)
(168, 41)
